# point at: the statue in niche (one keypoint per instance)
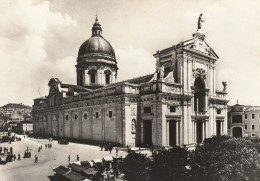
(200, 21)
(224, 86)
(161, 72)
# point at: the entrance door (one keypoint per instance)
(199, 131)
(172, 133)
(218, 127)
(147, 132)
(237, 132)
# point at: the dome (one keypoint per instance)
(97, 45)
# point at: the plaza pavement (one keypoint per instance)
(48, 158)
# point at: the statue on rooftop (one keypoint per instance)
(200, 21)
(224, 86)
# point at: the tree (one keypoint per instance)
(136, 167)
(224, 158)
(170, 165)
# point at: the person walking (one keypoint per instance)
(11, 150)
(36, 159)
(14, 157)
(77, 157)
(19, 156)
(69, 158)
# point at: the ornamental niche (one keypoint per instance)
(199, 72)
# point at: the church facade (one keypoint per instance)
(177, 105)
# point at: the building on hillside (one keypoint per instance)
(15, 112)
(244, 121)
(177, 105)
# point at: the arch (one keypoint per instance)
(92, 74)
(199, 83)
(199, 95)
(237, 132)
(107, 76)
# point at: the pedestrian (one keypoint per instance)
(69, 158)
(39, 149)
(45, 145)
(14, 157)
(116, 149)
(19, 156)
(77, 157)
(36, 159)
(110, 148)
(101, 145)
(11, 150)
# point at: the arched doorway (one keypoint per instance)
(147, 130)
(199, 95)
(218, 127)
(199, 131)
(237, 132)
(172, 133)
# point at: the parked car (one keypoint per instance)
(63, 142)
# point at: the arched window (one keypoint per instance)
(107, 76)
(92, 75)
(199, 95)
(85, 116)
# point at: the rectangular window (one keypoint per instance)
(97, 115)
(237, 119)
(253, 116)
(172, 109)
(253, 127)
(245, 126)
(219, 111)
(245, 116)
(110, 114)
(147, 109)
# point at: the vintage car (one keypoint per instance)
(63, 142)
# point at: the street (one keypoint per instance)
(48, 158)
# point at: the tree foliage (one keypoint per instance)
(219, 158)
(170, 165)
(136, 167)
(224, 158)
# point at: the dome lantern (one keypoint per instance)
(96, 29)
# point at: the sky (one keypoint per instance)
(40, 40)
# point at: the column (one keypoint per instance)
(192, 131)
(195, 132)
(167, 133)
(142, 132)
(180, 133)
(177, 132)
(203, 130)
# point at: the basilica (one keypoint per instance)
(176, 105)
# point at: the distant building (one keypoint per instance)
(15, 112)
(24, 127)
(176, 105)
(244, 121)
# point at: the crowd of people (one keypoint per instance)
(8, 152)
(107, 147)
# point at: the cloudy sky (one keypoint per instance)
(40, 39)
